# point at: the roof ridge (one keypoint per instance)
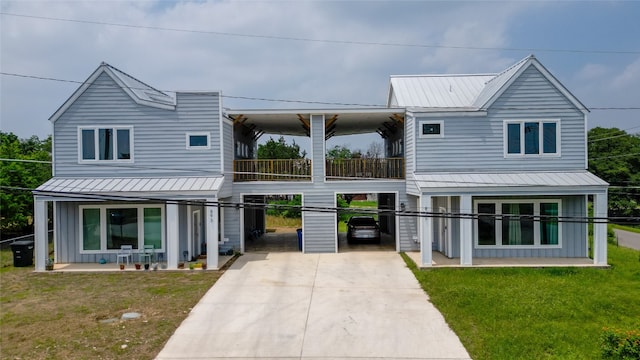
(443, 75)
(530, 56)
(132, 77)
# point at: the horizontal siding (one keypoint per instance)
(228, 154)
(319, 229)
(159, 135)
(476, 143)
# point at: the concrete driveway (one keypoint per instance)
(317, 306)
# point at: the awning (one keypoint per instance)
(147, 186)
(539, 180)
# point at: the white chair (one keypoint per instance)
(147, 253)
(126, 252)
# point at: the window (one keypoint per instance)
(106, 228)
(105, 144)
(198, 140)
(431, 129)
(531, 137)
(517, 223)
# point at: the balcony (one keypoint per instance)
(355, 169)
(300, 169)
(272, 170)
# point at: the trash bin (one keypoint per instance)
(299, 231)
(22, 253)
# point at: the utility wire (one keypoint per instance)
(320, 209)
(328, 41)
(310, 101)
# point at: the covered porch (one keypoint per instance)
(438, 260)
(86, 210)
(529, 218)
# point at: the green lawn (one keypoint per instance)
(519, 313)
(626, 228)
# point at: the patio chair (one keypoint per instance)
(146, 253)
(126, 252)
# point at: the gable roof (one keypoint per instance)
(465, 92)
(139, 92)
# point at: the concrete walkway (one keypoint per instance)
(355, 305)
(628, 239)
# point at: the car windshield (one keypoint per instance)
(360, 221)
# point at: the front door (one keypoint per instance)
(443, 236)
(196, 233)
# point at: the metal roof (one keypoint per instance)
(179, 185)
(464, 92)
(139, 92)
(521, 179)
(438, 91)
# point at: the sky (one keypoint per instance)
(325, 51)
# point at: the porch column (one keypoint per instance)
(211, 225)
(40, 222)
(426, 235)
(600, 229)
(466, 231)
(173, 236)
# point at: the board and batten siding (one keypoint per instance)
(476, 143)
(159, 136)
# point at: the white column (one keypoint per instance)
(466, 231)
(41, 234)
(600, 229)
(211, 225)
(173, 236)
(426, 233)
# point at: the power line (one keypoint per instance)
(35, 77)
(615, 136)
(320, 209)
(328, 41)
(615, 156)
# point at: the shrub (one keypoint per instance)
(619, 344)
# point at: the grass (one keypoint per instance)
(57, 315)
(549, 313)
(626, 228)
(277, 222)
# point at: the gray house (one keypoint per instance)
(475, 166)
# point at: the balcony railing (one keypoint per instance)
(272, 170)
(300, 169)
(353, 169)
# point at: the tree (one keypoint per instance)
(614, 156)
(340, 152)
(374, 151)
(279, 149)
(17, 178)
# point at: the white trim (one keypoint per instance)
(103, 226)
(422, 135)
(498, 223)
(188, 136)
(96, 136)
(521, 122)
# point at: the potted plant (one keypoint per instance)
(181, 265)
(48, 265)
(192, 266)
(121, 266)
(138, 266)
(146, 266)
(204, 266)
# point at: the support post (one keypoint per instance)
(466, 231)
(212, 234)
(173, 235)
(41, 234)
(426, 235)
(600, 229)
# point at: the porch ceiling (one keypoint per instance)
(292, 122)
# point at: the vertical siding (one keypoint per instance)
(159, 136)
(476, 143)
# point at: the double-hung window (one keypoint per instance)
(105, 228)
(105, 143)
(518, 223)
(532, 138)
